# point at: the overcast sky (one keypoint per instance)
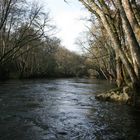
(67, 19)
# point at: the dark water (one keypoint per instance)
(64, 109)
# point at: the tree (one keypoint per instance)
(109, 13)
(69, 64)
(21, 25)
(16, 33)
(99, 51)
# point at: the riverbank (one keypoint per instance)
(122, 95)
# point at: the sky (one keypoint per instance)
(68, 20)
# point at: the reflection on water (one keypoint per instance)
(63, 109)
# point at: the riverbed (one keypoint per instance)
(63, 109)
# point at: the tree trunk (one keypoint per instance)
(136, 10)
(117, 48)
(120, 78)
(130, 15)
(133, 43)
(132, 18)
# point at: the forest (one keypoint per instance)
(112, 43)
(28, 48)
(48, 91)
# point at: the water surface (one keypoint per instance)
(63, 109)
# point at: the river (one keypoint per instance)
(63, 109)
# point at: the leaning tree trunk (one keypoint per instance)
(131, 37)
(120, 78)
(132, 18)
(136, 10)
(130, 15)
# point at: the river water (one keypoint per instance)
(63, 109)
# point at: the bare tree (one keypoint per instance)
(21, 25)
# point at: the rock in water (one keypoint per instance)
(123, 95)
